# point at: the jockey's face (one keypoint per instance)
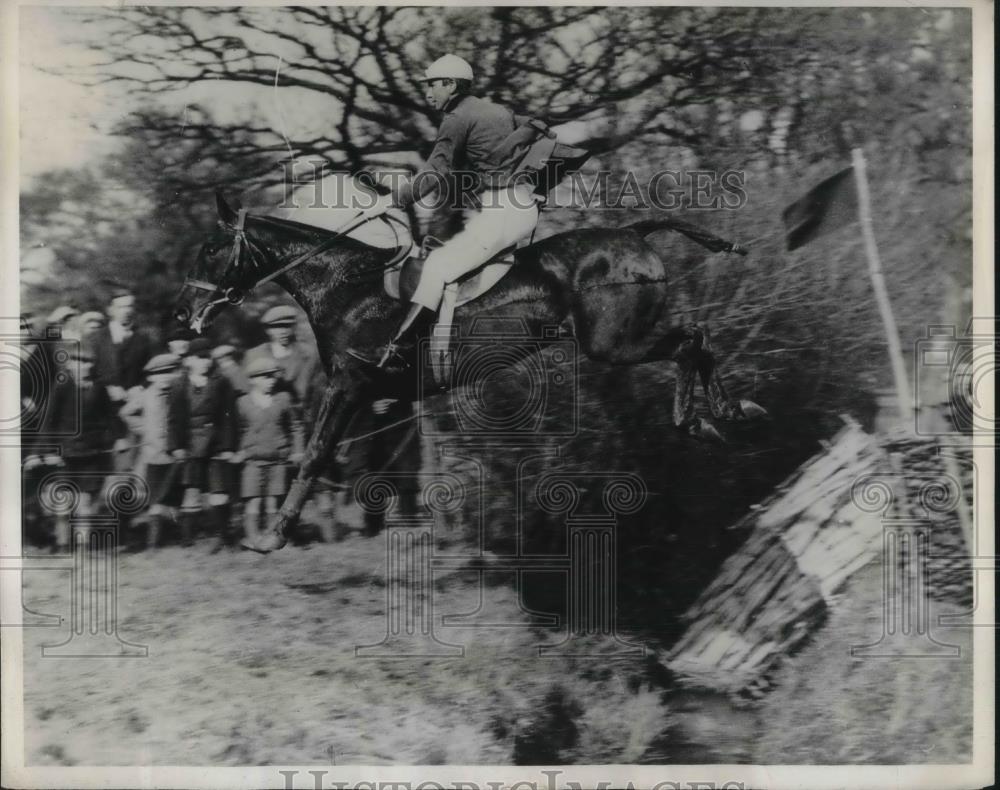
(437, 92)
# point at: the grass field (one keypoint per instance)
(252, 661)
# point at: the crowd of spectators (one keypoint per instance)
(215, 430)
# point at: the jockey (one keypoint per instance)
(470, 132)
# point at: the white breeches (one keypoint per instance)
(507, 216)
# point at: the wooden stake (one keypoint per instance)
(906, 404)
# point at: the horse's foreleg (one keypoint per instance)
(338, 406)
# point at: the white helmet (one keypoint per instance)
(448, 67)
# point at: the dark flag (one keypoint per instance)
(829, 205)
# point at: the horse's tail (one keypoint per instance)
(704, 238)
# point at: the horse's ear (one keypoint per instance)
(227, 213)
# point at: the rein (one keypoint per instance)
(235, 295)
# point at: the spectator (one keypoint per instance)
(205, 413)
(179, 340)
(228, 366)
(91, 324)
(37, 367)
(297, 360)
(270, 439)
(387, 440)
(39, 364)
(62, 323)
(122, 348)
(81, 413)
(151, 413)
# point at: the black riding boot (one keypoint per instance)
(418, 319)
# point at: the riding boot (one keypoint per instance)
(418, 319)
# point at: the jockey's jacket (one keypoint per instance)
(471, 130)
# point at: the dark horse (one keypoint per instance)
(606, 286)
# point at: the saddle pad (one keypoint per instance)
(400, 283)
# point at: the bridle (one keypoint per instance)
(258, 258)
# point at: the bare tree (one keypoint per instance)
(632, 72)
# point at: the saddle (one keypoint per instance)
(400, 282)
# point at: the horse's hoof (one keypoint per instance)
(704, 430)
(748, 410)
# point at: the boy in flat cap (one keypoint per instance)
(228, 365)
(271, 438)
(151, 413)
(296, 358)
(205, 415)
(81, 411)
(91, 324)
(179, 340)
(64, 322)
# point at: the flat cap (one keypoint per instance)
(92, 315)
(262, 366)
(61, 313)
(162, 363)
(225, 350)
(280, 315)
(200, 347)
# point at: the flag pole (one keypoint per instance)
(906, 404)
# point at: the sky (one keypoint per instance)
(63, 124)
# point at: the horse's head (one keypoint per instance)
(226, 268)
